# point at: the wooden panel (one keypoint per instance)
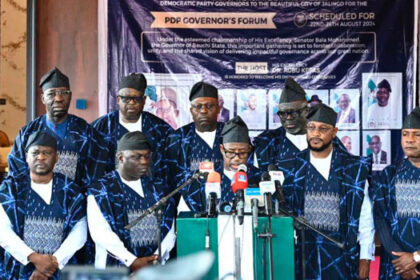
(67, 38)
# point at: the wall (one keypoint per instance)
(12, 65)
(67, 38)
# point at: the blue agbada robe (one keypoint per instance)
(272, 146)
(396, 209)
(153, 127)
(120, 205)
(82, 155)
(195, 194)
(333, 206)
(185, 150)
(22, 205)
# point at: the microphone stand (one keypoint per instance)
(157, 209)
(268, 234)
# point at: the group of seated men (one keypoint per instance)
(73, 187)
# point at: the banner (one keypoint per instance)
(356, 56)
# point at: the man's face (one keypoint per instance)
(167, 111)
(204, 111)
(320, 135)
(410, 142)
(134, 163)
(375, 144)
(252, 102)
(57, 102)
(382, 96)
(347, 143)
(293, 116)
(41, 159)
(130, 103)
(343, 102)
(234, 154)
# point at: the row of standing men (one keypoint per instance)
(44, 212)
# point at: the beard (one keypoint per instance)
(320, 149)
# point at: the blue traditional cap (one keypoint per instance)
(135, 140)
(412, 121)
(322, 113)
(292, 92)
(134, 80)
(41, 138)
(202, 89)
(53, 79)
(235, 131)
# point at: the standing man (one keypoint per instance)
(81, 155)
(121, 196)
(198, 141)
(131, 117)
(42, 216)
(328, 186)
(235, 147)
(395, 195)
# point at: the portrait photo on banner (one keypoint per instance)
(167, 97)
(382, 100)
(226, 104)
(316, 96)
(350, 140)
(273, 108)
(251, 107)
(376, 144)
(346, 103)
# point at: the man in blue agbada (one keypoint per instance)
(82, 156)
(131, 117)
(235, 148)
(42, 216)
(328, 186)
(198, 141)
(272, 146)
(396, 203)
(121, 196)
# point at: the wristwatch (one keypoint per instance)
(416, 256)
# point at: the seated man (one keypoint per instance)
(235, 148)
(120, 197)
(42, 216)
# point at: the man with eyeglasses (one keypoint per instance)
(329, 188)
(81, 153)
(272, 146)
(395, 195)
(42, 216)
(121, 196)
(198, 141)
(130, 117)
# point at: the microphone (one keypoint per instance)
(253, 200)
(267, 188)
(278, 177)
(239, 184)
(213, 192)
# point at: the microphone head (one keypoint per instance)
(240, 181)
(214, 177)
(242, 167)
(206, 166)
(265, 177)
(272, 167)
(267, 187)
(213, 184)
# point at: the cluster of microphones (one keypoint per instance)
(255, 200)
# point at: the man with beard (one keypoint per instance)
(121, 196)
(42, 216)
(81, 155)
(198, 141)
(131, 117)
(235, 147)
(328, 186)
(395, 195)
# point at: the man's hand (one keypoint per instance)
(46, 264)
(142, 262)
(36, 275)
(364, 266)
(404, 263)
(411, 274)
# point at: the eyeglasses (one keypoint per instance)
(198, 107)
(322, 129)
(136, 99)
(232, 154)
(294, 114)
(51, 94)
